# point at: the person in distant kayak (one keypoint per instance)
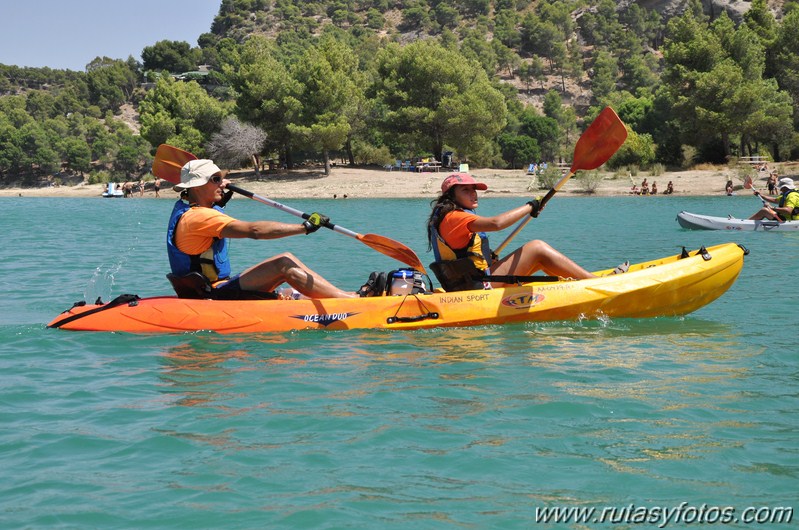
(787, 203)
(199, 230)
(457, 238)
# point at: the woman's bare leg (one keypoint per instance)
(538, 255)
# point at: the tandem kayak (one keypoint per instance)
(695, 221)
(670, 286)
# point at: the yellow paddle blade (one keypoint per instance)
(168, 162)
(392, 249)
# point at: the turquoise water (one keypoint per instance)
(457, 428)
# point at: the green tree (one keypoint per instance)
(181, 114)
(432, 96)
(78, 155)
(518, 150)
(268, 95)
(330, 94)
(783, 59)
(543, 129)
(172, 56)
(603, 80)
(110, 82)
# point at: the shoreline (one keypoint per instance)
(360, 183)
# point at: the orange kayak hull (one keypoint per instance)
(669, 286)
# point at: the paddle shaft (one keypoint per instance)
(523, 223)
(289, 209)
(750, 186)
(387, 247)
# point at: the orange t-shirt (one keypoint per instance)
(198, 228)
(455, 228)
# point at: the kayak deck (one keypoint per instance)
(670, 286)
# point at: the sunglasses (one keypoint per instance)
(216, 179)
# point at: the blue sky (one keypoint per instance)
(68, 34)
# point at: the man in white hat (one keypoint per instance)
(787, 203)
(198, 233)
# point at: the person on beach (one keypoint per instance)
(654, 187)
(728, 189)
(199, 230)
(669, 188)
(787, 203)
(457, 234)
(157, 187)
(772, 183)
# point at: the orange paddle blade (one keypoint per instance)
(599, 141)
(392, 249)
(168, 161)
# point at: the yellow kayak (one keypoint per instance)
(671, 286)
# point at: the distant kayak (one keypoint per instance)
(671, 286)
(695, 221)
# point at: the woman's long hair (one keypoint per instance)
(441, 206)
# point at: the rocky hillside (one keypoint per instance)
(734, 8)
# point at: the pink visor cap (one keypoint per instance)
(461, 179)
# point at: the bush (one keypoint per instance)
(549, 177)
(99, 177)
(369, 154)
(589, 180)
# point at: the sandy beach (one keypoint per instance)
(378, 183)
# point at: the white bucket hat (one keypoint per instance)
(196, 173)
(787, 182)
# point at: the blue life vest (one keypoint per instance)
(477, 249)
(215, 267)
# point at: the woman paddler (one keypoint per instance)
(457, 237)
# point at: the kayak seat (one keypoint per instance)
(197, 287)
(462, 275)
(193, 285)
(458, 275)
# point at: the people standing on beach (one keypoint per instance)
(157, 187)
(772, 182)
(644, 188)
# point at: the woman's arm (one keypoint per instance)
(501, 221)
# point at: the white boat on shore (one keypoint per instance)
(112, 191)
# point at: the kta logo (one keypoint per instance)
(523, 301)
